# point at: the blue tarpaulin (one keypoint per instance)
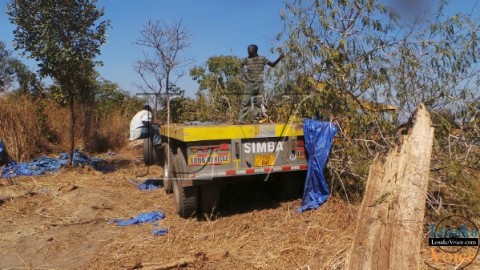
(149, 217)
(318, 142)
(160, 232)
(3, 153)
(141, 218)
(149, 184)
(47, 164)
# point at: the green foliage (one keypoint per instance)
(220, 88)
(182, 108)
(27, 80)
(366, 49)
(6, 69)
(55, 93)
(42, 120)
(108, 96)
(12, 69)
(344, 56)
(202, 113)
(438, 65)
(339, 42)
(63, 36)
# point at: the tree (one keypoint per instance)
(12, 70)
(108, 96)
(365, 48)
(182, 108)
(28, 82)
(163, 65)
(7, 71)
(64, 37)
(220, 78)
(370, 50)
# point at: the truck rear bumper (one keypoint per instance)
(251, 171)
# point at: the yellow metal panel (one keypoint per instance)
(189, 133)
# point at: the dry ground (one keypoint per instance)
(61, 221)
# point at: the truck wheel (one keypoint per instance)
(168, 169)
(209, 198)
(149, 155)
(186, 198)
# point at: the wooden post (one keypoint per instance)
(389, 231)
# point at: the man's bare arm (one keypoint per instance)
(274, 63)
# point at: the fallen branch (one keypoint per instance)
(195, 261)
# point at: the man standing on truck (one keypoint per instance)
(252, 71)
(142, 127)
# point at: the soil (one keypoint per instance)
(63, 220)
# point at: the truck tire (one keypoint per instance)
(186, 198)
(149, 156)
(168, 169)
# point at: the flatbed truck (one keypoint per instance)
(197, 159)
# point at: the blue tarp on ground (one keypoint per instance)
(149, 217)
(47, 164)
(141, 218)
(3, 153)
(318, 142)
(149, 184)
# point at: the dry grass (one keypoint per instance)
(30, 128)
(19, 127)
(111, 131)
(60, 227)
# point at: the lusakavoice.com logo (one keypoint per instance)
(453, 243)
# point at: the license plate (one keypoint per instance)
(264, 160)
(301, 153)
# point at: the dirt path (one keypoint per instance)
(61, 221)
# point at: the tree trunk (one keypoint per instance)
(72, 128)
(87, 127)
(167, 91)
(389, 231)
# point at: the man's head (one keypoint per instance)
(252, 51)
(147, 107)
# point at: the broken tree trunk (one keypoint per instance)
(389, 231)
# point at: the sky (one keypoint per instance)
(218, 27)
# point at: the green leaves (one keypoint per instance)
(12, 70)
(7, 70)
(220, 78)
(62, 35)
(366, 48)
(365, 56)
